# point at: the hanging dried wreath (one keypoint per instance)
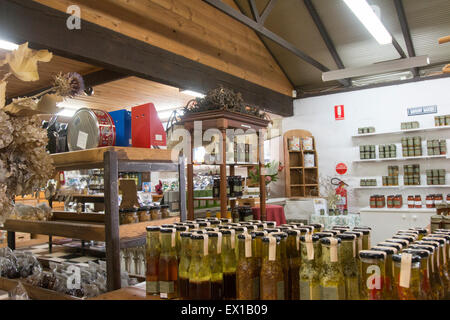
(25, 165)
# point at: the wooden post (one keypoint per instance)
(182, 187)
(262, 178)
(190, 181)
(223, 176)
(113, 281)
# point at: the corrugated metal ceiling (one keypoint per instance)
(428, 20)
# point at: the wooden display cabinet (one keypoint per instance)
(300, 180)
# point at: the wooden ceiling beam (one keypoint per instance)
(44, 27)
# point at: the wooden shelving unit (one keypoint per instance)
(223, 120)
(105, 227)
(300, 181)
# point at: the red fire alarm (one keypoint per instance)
(339, 112)
(146, 128)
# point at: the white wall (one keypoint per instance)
(384, 108)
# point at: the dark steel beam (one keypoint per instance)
(268, 34)
(406, 32)
(267, 10)
(398, 48)
(254, 10)
(324, 33)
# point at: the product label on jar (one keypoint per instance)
(280, 290)
(152, 287)
(418, 203)
(405, 270)
(166, 287)
(255, 288)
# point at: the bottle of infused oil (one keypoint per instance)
(293, 255)
(183, 267)
(272, 274)
(229, 263)
(425, 283)
(199, 269)
(347, 255)
(372, 271)
(332, 283)
(247, 275)
(388, 281)
(407, 276)
(310, 250)
(284, 262)
(153, 250)
(168, 265)
(215, 261)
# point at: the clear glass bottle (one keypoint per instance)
(425, 292)
(215, 261)
(179, 230)
(366, 237)
(199, 269)
(284, 262)
(409, 287)
(238, 230)
(358, 241)
(310, 267)
(373, 271)
(332, 283)
(183, 267)
(442, 257)
(293, 255)
(272, 274)
(168, 265)
(349, 263)
(247, 275)
(229, 263)
(388, 281)
(153, 250)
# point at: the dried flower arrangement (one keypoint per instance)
(25, 165)
(222, 99)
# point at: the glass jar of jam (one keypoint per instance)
(438, 199)
(168, 265)
(411, 202)
(390, 202)
(128, 216)
(407, 276)
(398, 201)
(429, 201)
(199, 269)
(152, 252)
(373, 202)
(373, 270)
(381, 201)
(272, 275)
(418, 202)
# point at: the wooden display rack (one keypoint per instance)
(223, 120)
(300, 181)
(105, 227)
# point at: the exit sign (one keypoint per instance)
(418, 111)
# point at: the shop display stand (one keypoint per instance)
(223, 120)
(300, 181)
(106, 227)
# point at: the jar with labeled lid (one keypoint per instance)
(425, 282)
(373, 202)
(216, 265)
(199, 269)
(310, 250)
(165, 213)
(418, 202)
(247, 273)
(437, 284)
(349, 264)
(128, 216)
(429, 201)
(332, 282)
(404, 243)
(143, 214)
(398, 201)
(438, 199)
(381, 201)
(388, 280)
(411, 202)
(293, 256)
(272, 274)
(407, 276)
(366, 237)
(229, 263)
(183, 267)
(372, 271)
(390, 202)
(155, 213)
(168, 265)
(152, 253)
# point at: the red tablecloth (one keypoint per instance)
(273, 213)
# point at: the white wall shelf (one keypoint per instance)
(400, 132)
(403, 187)
(401, 210)
(402, 159)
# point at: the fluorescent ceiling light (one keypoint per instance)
(378, 68)
(192, 93)
(370, 20)
(8, 45)
(381, 78)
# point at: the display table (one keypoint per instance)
(273, 212)
(351, 220)
(385, 222)
(136, 292)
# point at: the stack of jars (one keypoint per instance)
(253, 260)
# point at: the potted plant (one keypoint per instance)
(271, 171)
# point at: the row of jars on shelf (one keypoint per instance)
(414, 202)
(251, 261)
(143, 214)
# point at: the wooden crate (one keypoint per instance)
(21, 236)
(252, 202)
